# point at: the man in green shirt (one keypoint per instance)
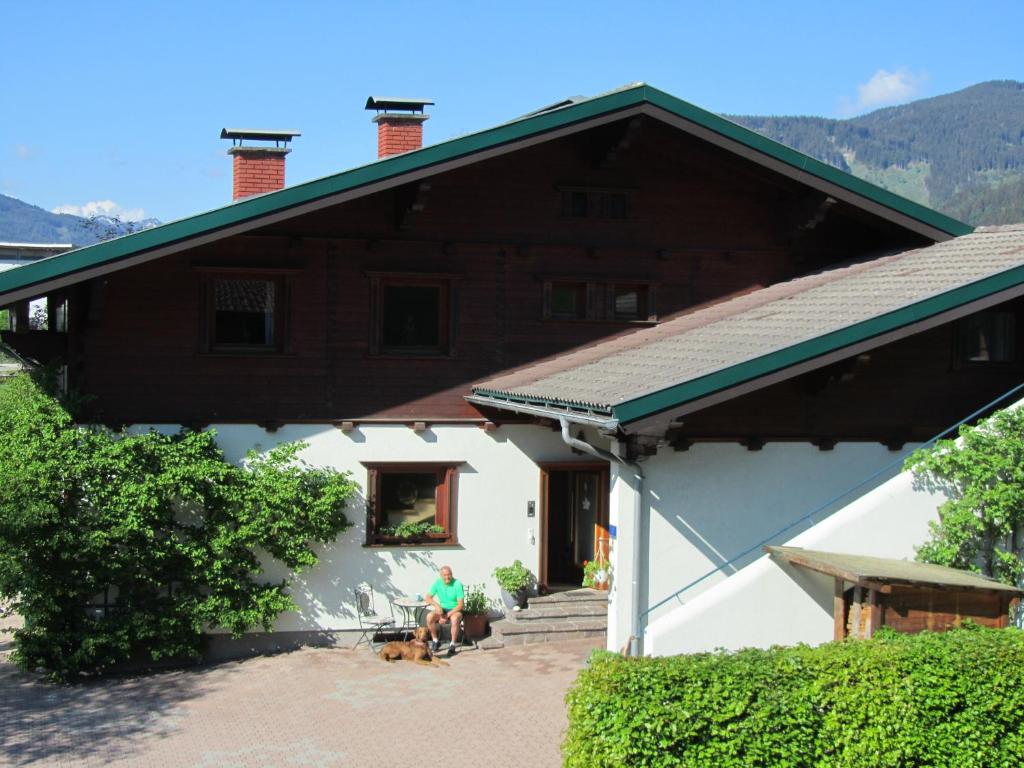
(445, 598)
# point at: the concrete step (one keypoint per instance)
(571, 596)
(509, 632)
(565, 610)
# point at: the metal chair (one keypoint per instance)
(370, 622)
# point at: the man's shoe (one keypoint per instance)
(435, 646)
(451, 650)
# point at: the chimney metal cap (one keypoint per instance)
(238, 134)
(387, 103)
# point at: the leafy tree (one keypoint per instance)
(118, 547)
(983, 475)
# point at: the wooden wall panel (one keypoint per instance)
(704, 225)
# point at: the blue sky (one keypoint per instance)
(117, 107)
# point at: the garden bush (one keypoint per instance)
(949, 699)
(118, 547)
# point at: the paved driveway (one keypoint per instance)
(315, 707)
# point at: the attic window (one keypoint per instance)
(630, 301)
(593, 203)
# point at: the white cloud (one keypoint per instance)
(102, 208)
(24, 151)
(884, 89)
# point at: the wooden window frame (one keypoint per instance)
(282, 311)
(446, 500)
(446, 314)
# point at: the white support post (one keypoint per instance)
(624, 518)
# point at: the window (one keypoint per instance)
(244, 313)
(629, 302)
(568, 301)
(411, 503)
(987, 337)
(598, 301)
(591, 203)
(412, 316)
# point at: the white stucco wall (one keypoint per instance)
(705, 506)
(767, 603)
(499, 476)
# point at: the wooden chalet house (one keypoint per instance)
(619, 324)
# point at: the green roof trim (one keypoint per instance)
(248, 210)
(680, 394)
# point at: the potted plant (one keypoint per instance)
(597, 574)
(407, 533)
(475, 606)
(515, 581)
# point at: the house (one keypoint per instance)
(619, 324)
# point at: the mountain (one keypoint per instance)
(961, 153)
(24, 223)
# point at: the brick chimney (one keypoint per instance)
(258, 168)
(399, 124)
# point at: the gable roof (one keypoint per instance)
(559, 119)
(690, 360)
(882, 570)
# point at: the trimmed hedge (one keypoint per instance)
(949, 699)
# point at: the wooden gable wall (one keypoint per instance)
(703, 225)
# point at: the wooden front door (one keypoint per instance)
(574, 521)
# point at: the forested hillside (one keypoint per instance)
(961, 153)
(24, 223)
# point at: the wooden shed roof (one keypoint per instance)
(882, 571)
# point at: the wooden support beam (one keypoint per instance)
(874, 613)
(839, 611)
(20, 316)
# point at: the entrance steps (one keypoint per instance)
(571, 615)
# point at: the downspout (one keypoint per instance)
(635, 641)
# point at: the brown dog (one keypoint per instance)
(415, 650)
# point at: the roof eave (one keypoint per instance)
(33, 280)
(943, 307)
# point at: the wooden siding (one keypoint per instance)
(703, 225)
(906, 391)
(914, 609)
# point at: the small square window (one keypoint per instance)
(988, 337)
(244, 314)
(411, 504)
(614, 205)
(568, 301)
(630, 302)
(575, 204)
(412, 317)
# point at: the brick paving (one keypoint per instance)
(314, 707)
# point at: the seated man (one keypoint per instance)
(445, 597)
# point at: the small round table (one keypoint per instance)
(413, 612)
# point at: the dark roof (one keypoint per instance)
(880, 570)
(249, 213)
(743, 339)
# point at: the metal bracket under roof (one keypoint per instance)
(238, 135)
(391, 103)
(548, 410)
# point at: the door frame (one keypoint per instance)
(601, 514)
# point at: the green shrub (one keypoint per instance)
(950, 699)
(116, 546)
